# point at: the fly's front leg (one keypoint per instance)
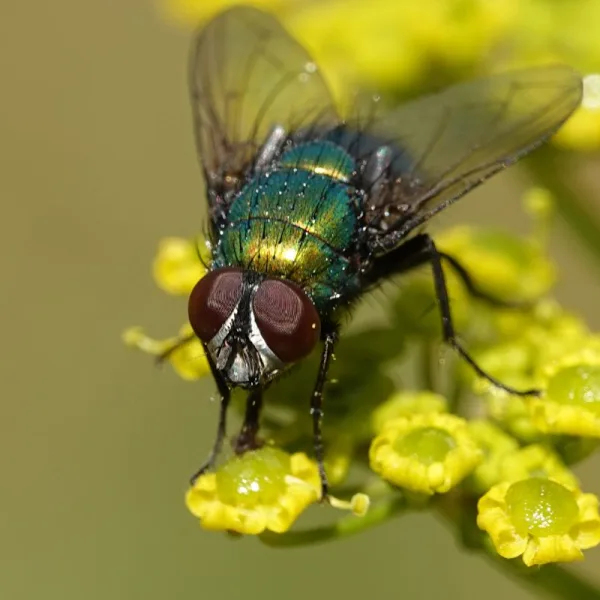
(247, 439)
(225, 395)
(316, 409)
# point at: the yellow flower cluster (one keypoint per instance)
(418, 446)
(531, 504)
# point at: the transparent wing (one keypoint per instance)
(445, 144)
(247, 75)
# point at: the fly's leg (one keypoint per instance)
(441, 291)
(247, 439)
(414, 253)
(316, 410)
(218, 443)
(225, 395)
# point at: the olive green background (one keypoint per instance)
(96, 445)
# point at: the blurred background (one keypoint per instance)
(96, 444)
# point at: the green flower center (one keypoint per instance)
(428, 444)
(541, 507)
(577, 385)
(253, 479)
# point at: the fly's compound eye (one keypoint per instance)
(212, 301)
(287, 319)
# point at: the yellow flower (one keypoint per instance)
(265, 489)
(406, 403)
(184, 352)
(539, 519)
(427, 453)
(570, 403)
(177, 267)
(262, 490)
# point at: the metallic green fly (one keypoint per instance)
(308, 211)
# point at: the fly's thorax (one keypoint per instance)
(298, 222)
(253, 326)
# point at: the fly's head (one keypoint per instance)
(252, 326)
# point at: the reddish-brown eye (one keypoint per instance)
(212, 301)
(287, 319)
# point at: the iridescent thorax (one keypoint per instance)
(298, 221)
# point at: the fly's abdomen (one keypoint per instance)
(296, 224)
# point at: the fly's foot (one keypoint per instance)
(246, 441)
(207, 466)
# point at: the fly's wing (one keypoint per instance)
(247, 76)
(441, 146)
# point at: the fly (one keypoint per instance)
(309, 210)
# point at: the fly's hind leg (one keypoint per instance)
(414, 253)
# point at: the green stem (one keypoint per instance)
(343, 528)
(550, 168)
